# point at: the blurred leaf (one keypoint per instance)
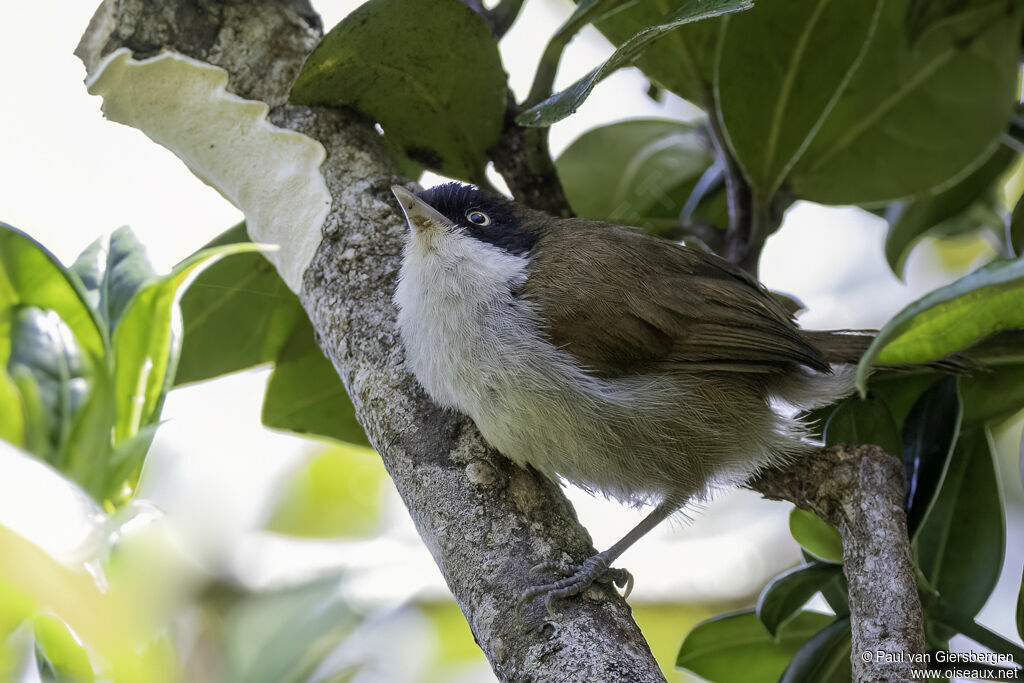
(911, 221)
(1017, 228)
(737, 647)
(306, 396)
(929, 435)
(960, 544)
(113, 269)
(87, 454)
(45, 347)
(12, 416)
(913, 117)
(146, 346)
(637, 172)
(816, 536)
(60, 648)
(280, 636)
(125, 464)
(789, 591)
(783, 65)
(427, 70)
(338, 493)
(37, 436)
(32, 276)
(951, 318)
(236, 314)
(864, 421)
(925, 14)
(825, 658)
(565, 103)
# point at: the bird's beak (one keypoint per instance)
(422, 217)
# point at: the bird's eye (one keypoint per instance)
(478, 217)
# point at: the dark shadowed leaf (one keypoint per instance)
(427, 70)
(305, 394)
(1017, 228)
(825, 658)
(900, 390)
(960, 544)
(864, 421)
(633, 172)
(911, 221)
(1020, 609)
(991, 396)
(236, 314)
(913, 117)
(564, 103)
(925, 14)
(817, 537)
(782, 67)
(113, 269)
(738, 648)
(929, 434)
(789, 591)
(951, 318)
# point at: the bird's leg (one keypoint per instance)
(577, 578)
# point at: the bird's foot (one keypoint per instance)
(576, 579)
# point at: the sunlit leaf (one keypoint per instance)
(565, 103)
(789, 591)
(950, 318)
(738, 648)
(427, 70)
(820, 539)
(61, 649)
(113, 269)
(12, 415)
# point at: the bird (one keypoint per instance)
(627, 364)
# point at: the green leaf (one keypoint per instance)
(427, 70)
(113, 269)
(636, 172)
(58, 647)
(236, 314)
(816, 536)
(961, 542)
(37, 436)
(825, 658)
(1017, 228)
(45, 347)
(306, 396)
(146, 347)
(909, 222)
(789, 591)
(782, 67)
(864, 421)
(737, 647)
(565, 103)
(951, 318)
(340, 493)
(923, 15)
(12, 416)
(1020, 609)
(31, 275)
(914, 117)
(991, 397)
(929, 435)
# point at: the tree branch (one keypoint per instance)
(484, 520)
(859, 490)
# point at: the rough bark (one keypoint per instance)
(859, 490)
(485, 520)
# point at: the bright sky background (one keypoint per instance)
(67, 176)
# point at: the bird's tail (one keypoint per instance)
(841, 347)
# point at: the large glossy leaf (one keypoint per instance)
(864, 421)
(991, 397)
(911, 221)
(339, 493)
(113, 269)
(636, 172)
(951, 318)
(306, 396)
(564, 103)
(825, 658)
(817, 537)
(427, 70)
(146, 345)
(960, 544)
(929, 435)
(236, 314)
(738, 648)
(789, 591)
(782, 67)
(913, 117)
(31, 275)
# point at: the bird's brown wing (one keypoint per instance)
(622, 303)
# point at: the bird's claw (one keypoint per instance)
(576, 579)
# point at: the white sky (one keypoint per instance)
(67, 176)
